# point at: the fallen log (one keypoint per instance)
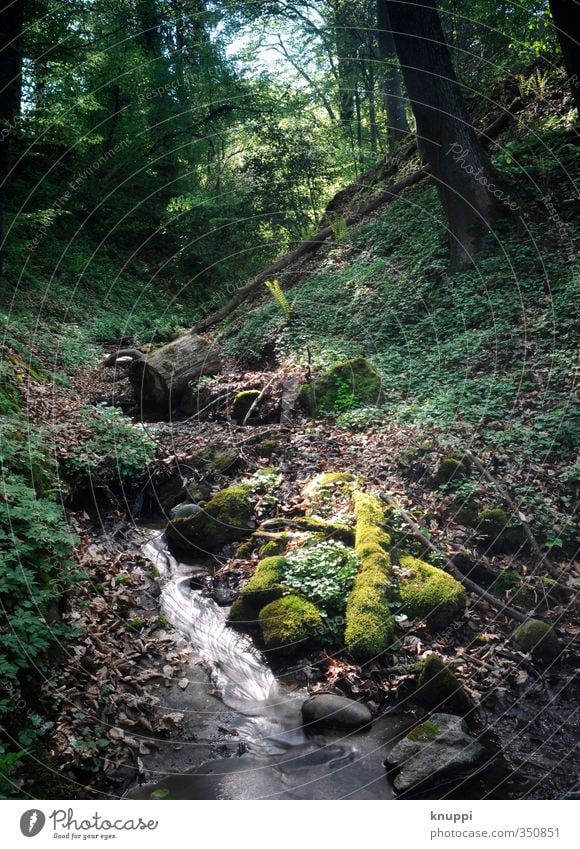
(122, 354)
(160, 378)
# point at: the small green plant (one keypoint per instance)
(323, 572)
(274, 288)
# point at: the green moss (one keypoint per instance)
(369, 622)
(493, 526)
(214, 459)
(242, 403)
(265, 585)
(242, 613)
(425, 732)
(334, 530)
(510, 581)
(273, 547)
(288, 622)
(267, 447)
(537, 638)
(450, 468)
(245, 548)
(348, 384)
(439, 689)
(429, 593)
(224, 519)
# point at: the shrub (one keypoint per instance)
(323, 572)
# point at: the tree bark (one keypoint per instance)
(11, 19)
(566, 15)
(160, 378)
(466, 183)
(393, 98)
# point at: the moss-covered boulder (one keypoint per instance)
(348, 384)
(242, 404)
(224, 519)
(498, 532)
(511, 584)
(429, 593)
(214, 459)
(267, 447)
(537, 638)
(438, 688)
(288, 622)
(266, 584)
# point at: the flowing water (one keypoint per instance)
(281, 759)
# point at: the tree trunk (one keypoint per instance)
(11, 18)
(393, 98)
(160, 378)
(566, 15)
(466, 183)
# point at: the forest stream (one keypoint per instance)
(282, 760)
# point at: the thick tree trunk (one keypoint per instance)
(11, 18)
(566, 15)
(160, 378)
(394, 101)
(467, 186)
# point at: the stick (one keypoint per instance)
(467, 582)
(257, 400)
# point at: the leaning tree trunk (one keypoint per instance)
(566, 15)
(466, 183)
(160, 378)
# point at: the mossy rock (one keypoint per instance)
(267, 447)
(214, 459)
(451, 468)
(493, 526)
(348, 384)
(266, 584)
(327, 530)
(288, 622)
(273, 547)
(538, 639)
(242, 403)
(242, 613)
(439, 689)
(369, 621)
(246, 548)
(429, 593)
(224, 519)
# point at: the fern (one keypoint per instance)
(340, 228)
(274, 288)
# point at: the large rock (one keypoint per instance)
(537, 638)
(224, 519)
(335, 712)
(436, 748)
(348, 384)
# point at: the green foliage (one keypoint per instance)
(113, 450)
(35, 573)
(345, 385)
(323, 572)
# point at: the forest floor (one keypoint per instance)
(116, 695)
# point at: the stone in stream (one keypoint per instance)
(435, 748)
(335, 712)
